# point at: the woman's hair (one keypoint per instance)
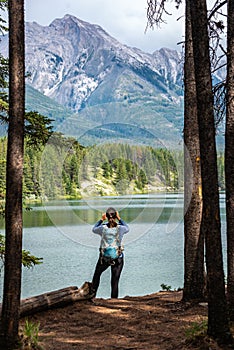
(111, 212)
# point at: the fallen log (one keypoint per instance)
(54, 299)
(58, 298)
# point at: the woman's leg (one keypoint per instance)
(116, 270)
(100, 268)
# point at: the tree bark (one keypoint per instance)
(193, 237)
(55, 299)
(218, 326)
(13, 218)
(229, 158)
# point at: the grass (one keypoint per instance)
(30, 336)
(196, 331)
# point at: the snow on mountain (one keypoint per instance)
(83, 68)
(70, 59)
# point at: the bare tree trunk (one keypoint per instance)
(193, 238)
(13, 256)
(55, 299)
(229, 158)
(217, 309)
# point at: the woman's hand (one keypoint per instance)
(117, 215)
(103, 216)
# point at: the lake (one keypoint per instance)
(61, 233)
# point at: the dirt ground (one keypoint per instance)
(158, 321)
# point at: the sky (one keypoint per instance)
(125, 20)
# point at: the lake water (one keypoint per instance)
(61, 233)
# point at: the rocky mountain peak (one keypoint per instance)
(81, 67)
(73, 62)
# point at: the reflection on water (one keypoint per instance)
(61, 233)
(138, 208)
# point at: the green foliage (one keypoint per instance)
(28, 260)
(143, 164)
(59, 171)
(4, 66)
(107, 170)
(60, 166)
(141, 181)
(165, 287)
(196, 331)
(38, 128)
(30, 336)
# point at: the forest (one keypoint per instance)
(121, 169)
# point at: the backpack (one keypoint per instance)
(110, 248)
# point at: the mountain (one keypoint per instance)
(36, 101)
(100, 88)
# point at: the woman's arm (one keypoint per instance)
(123, 227)
(98, 226)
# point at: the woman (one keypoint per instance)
(111, 250)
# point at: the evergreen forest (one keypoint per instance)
(65, 169)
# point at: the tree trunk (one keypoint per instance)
(217, 309)
(193, 238)
(13, 256)
(229, 158)
(55, 299)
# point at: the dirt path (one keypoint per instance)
(156, 322)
